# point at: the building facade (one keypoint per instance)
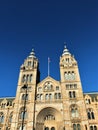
(49, 104)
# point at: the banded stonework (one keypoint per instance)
(49, 104)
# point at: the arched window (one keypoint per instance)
(74, 127)
(73, 75)
(24, 78)
(40, 89)
(74, 111)
(91, 127)
(46, 96)
(53, 128)
(50, 96)
(41, 96)
(69, 76)
(30, 78)
(92, 114)
(1, 117)
(27, 78)
(25, 97)
(23, 113)
(78, 127)
(46, 128)
(29, 63)
(10, 117)
(66, 76)
(74, 94)
(89, 116)
(95, 127)
(57, 95)
(70, 94)
(89, 102)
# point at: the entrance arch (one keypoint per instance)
(49, 119)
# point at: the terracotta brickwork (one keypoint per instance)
(49, 104)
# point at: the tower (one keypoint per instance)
(24, 109)
(72, 95)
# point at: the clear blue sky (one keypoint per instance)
(46, 25)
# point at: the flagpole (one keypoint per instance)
(48, 67)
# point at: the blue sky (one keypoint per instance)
(45, 26)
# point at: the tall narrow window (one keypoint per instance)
(69, 76)
(92, 114)
(74, 94)
(95, 127)
(66, 76)
(50, 96)
(78, 127)
(25, 97)
(1, 117)
(27, 78)
(40, 89)
(70, 94)
(74, 127)
(30, 78)
(73, 75)
(91, 127)
(89, 116)
(24, 78)
(23, 113)
(46, 96)
(74, 111)
(59, 95)
(57, 87)
(10, 118)
(41, 96)
(29, 63)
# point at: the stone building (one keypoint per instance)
(49, 104)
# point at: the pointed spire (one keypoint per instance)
(66, 51)
(32, 54)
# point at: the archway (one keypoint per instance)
(49, 119)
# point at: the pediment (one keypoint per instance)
(49, 79)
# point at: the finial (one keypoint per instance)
(65, 51)
(64, 44)
(32, 54)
